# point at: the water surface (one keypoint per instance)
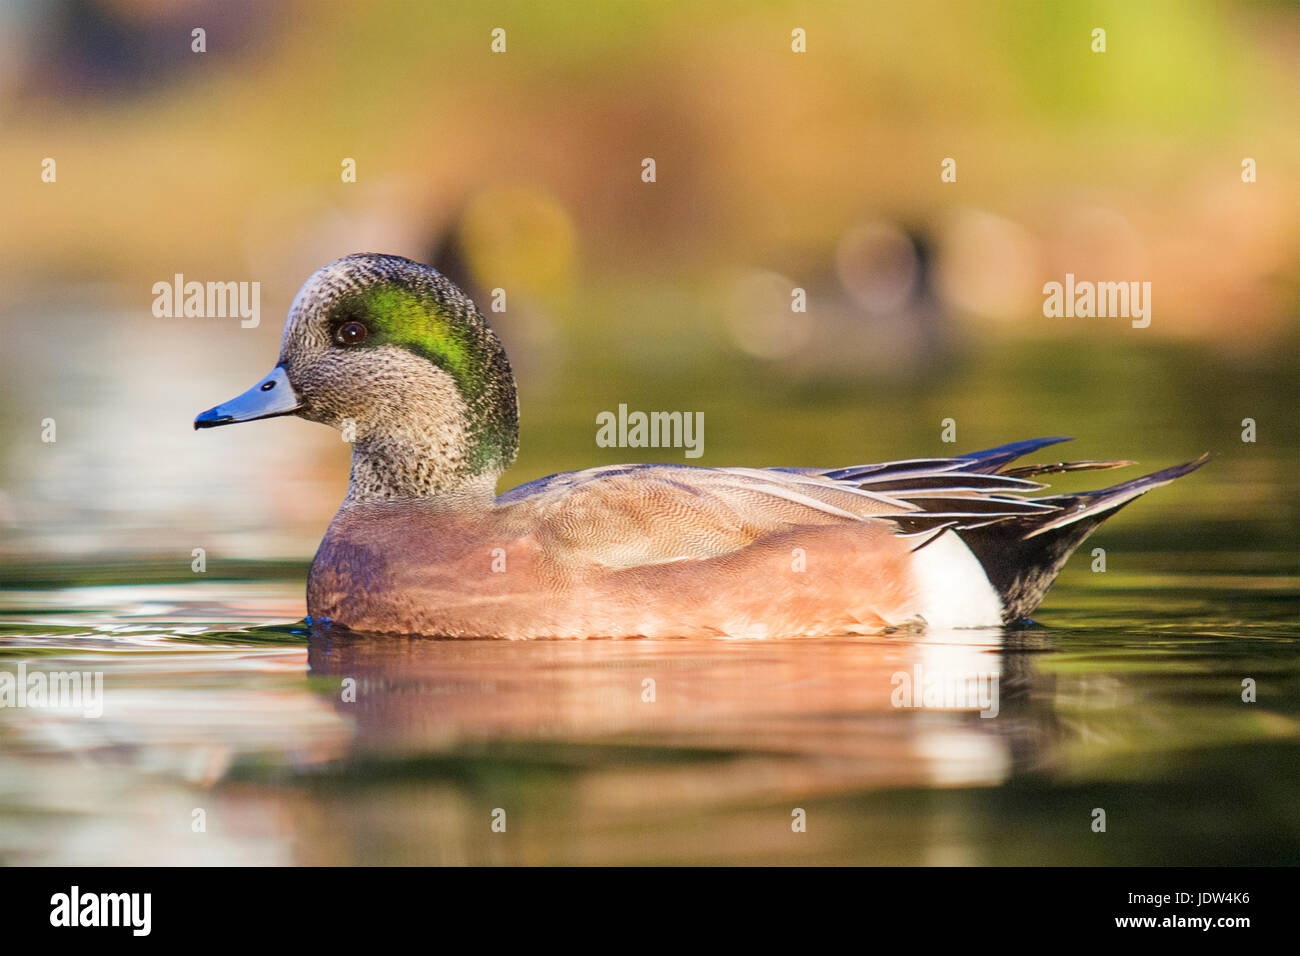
(1127, 696)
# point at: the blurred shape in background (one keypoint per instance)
(84, 49)
(875, 316)
(762, 318)
(990, 266)
(513, 250)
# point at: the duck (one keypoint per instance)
(393, 354)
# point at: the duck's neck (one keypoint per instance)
(423, 469)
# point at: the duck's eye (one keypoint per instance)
(351, 333)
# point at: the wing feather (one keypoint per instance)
(630, 515)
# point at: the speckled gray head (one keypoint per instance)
(392, 353)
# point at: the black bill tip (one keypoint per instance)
(212, 418)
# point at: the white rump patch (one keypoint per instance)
(952, 587)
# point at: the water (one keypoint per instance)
(1127, 697)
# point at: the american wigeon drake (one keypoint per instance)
(422, 544)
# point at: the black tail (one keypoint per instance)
(1023, 555)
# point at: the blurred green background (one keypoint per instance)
(522, 171)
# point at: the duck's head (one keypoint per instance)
(393, 354)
